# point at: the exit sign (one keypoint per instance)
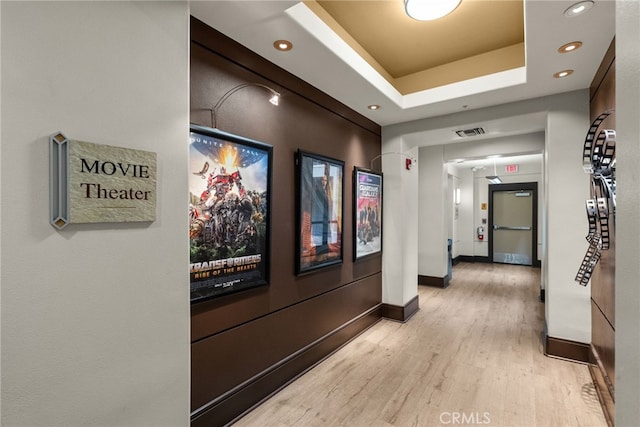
(511, 168)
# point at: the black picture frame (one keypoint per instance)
(319, 212)
(229, 212)
(367, 213)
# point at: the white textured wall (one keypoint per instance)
(481, 197)
(400, 254)
(568, 306)
(1, 209)
(433, 223)
(95, 318)
(627, 213)
(455, 182)
(466, 230)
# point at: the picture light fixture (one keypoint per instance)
(275, 99)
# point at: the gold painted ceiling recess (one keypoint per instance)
(478, 38)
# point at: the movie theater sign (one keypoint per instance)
(94, 183)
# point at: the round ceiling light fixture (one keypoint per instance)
(373, 107)
(283, 45)
(428, 10)
(569, 47)
(561, 74)
(578, 8)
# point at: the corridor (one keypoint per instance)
(472, 355)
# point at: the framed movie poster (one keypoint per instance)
(229, 212)
(319, 211)
(367, 213)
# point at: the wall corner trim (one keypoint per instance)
(567, 349)
(436, 282)
(401, 313)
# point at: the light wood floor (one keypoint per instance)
(472, 355)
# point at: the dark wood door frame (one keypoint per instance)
(524, 186)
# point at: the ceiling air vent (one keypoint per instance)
(470, 132)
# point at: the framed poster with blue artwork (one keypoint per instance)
(319, 206)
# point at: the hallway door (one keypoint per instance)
(513, 224)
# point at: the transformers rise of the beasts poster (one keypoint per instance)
(228, 213)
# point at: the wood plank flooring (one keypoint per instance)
(472, 355)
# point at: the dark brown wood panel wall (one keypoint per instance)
(239, 354)
(237, 339)
(602, 96)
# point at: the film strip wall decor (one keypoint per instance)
(587, 150)
(592, 216)
(598, 160)
(589, 261)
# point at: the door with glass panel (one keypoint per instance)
(513, 224)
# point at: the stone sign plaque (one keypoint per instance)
(94, 183)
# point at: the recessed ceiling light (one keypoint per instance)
(578, 8)
(563, 73)
(283, 45)
(494, 156)
(569, 47)
(373, 107)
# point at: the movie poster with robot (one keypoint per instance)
(229, 205)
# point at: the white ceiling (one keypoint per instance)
(322, 59)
